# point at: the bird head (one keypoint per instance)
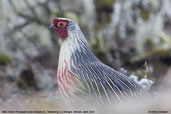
(63, 26)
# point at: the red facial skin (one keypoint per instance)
(60, 27)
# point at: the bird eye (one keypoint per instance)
(61, 24)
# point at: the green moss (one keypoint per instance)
(140, 73)
(145, 14)
(163, 52)
(149, 44)
(4, 59)
(165, 38)
(103, 3)
(104, 10)
(157, 51)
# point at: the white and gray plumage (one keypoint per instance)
(81, 73)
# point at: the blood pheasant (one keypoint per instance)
(80, 72)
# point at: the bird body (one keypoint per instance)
(81, 73)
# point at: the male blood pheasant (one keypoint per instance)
(81, 73)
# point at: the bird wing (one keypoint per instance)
(104, 82)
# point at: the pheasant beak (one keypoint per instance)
(51, 27)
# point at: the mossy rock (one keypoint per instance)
(103, 3)
(145, 14)
(140, 73)
(149, 44)
(4, 59)
(104, 10)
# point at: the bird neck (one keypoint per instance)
(75, 51)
